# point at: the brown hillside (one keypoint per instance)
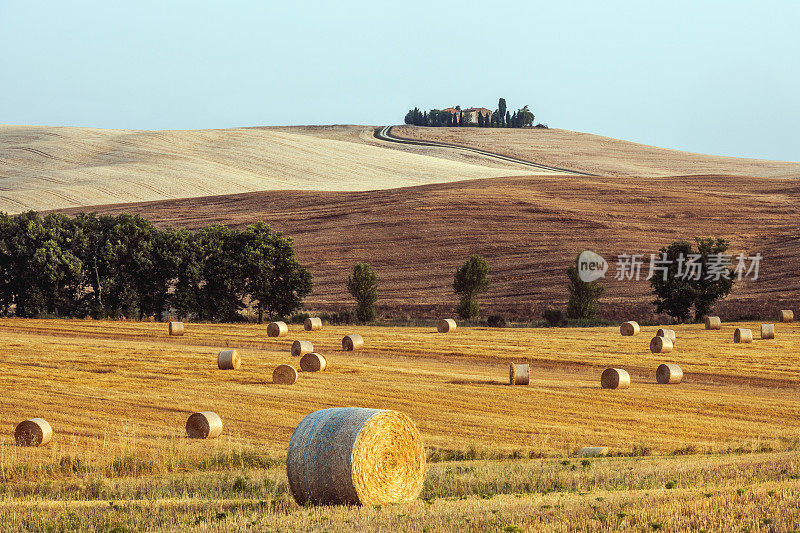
(528, 228)
(596, 154)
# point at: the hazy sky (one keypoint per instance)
(721, 77)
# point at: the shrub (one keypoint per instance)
(555, 317)
(496, 321)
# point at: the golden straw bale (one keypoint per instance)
(312, 324)
(446, 325)
(204, 425)
(669, 374)
(302, 347)
(33, 432)
(229, 360)
(284, 375)
(355, 456)
(629, 329)
(352, 342)
(615, 378)
(176, 328)
(277, 329)
(313, 362)
(518, 374)
(661, 345)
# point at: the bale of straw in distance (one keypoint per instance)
(352, 456)
(33, 432)
(615, 378)
(204, 425)
(629, 329)
(669, 374)
(446, 325)
(767, 331)
(519, 374)
(352, 342)
(663, 332)
(175, 328)
(786, 315)
(229, 360)
(593, 451)
(301, 348)
(284, 375)
(661, 345)
(743, 335)
(713, 322)
(313, 362)
(277, 329)
(312, 324)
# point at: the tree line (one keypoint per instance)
(499, 118)
(123, 266)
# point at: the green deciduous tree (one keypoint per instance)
(471, 279)
(363, 286)
(583, 296)
(686, 280)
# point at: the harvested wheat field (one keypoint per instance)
(596, 154)
(528, 229)
(498, 455)
(55, 167)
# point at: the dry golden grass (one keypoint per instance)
(599, 155)
(55, 167)
(118, 393)
(94, 381)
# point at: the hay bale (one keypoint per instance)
(176, 328)
(33, 432)
(313, 362)
(355, 456)
(593, 451)
(629, 329)
(204, 425)
(713, 322)
(352, 342)
(767, 331)
(312, 324)
(284, 375)
(669, 374)
(277, 329)
(229, 360)
(743, 335)
(663, 332)
(446, 325)
(518, 374)
(615, 378)
(787, 315)
(661, 345)
(301, 348)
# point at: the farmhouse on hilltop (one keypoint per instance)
(471, 114)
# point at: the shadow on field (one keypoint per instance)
(477, 382)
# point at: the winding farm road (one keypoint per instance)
(385, 134)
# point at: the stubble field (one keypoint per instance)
(118, 394)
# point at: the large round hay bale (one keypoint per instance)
(669, 374)
(593, 451)
(312, 324)
(229, 360)
(204, 425)
(629, 329)
(615, 378)
(313, 362)
(33, 432)
(713, 322)
(352, 342)
(277, 329)
(176, 328)
(767, 331)
(743, 335)
(661, 345)
(519, 374)
(669, 333)
(353, 456)
(446, 325)
(786, 315)
(301, 348)
(284, 375)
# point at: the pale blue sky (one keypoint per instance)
(714, 77)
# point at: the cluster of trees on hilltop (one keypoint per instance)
(500, 118)
(123, 266)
